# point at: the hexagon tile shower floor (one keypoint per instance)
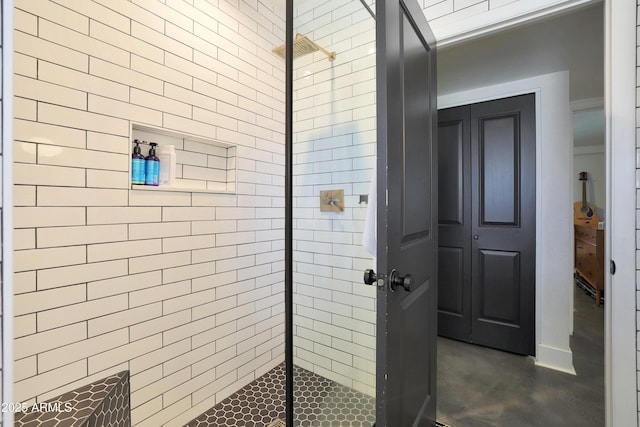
(318, 402)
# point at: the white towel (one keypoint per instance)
(369, 240)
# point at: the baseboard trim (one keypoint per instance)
(555, 358)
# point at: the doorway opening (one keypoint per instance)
(487, 223)
(502, 66)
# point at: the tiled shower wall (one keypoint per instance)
(183, 289)
(334, 149)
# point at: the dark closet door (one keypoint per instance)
(500, 202)
(454, 223)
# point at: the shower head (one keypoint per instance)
(302, 46)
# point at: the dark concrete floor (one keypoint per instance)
(481, 387)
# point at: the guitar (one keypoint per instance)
(585, 213)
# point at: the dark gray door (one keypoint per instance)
(487, 224)
(454, 223)
(407, 222)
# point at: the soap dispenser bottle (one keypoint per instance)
(152, 166)
(137, 164)
(167, 156)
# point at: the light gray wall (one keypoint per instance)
(529, 51)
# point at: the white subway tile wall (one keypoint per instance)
(334, 146)
(183, 289)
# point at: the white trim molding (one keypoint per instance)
(587, 104)
(589, 149)
(554, 216)
(7, 208)
(620, 289)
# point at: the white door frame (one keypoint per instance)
(620, 289)
(7, 209)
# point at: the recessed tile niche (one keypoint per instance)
(202, 164)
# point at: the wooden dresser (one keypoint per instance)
(589, 257)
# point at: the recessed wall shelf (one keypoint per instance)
(202, 165)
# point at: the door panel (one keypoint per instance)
(451, 272)
(407, 233)
(503, 218)
(451, 176)
(416, 165)
(454, 223)
(500, 295)
(496, 289)
(416, 393)
(499, 170)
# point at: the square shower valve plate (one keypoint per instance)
(332, 201)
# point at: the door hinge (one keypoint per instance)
(612, 267)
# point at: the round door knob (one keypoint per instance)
(370, 277)
(476, 237)
(396, 280)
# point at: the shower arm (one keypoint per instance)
(330, 55)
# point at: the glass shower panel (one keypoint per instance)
(334, 152)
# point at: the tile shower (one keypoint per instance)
(334, 135)
(185, 289)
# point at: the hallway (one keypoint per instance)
(482, 387)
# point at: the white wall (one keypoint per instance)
(531, 50)
(455, 20)
(183, 289)
(334, 148)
